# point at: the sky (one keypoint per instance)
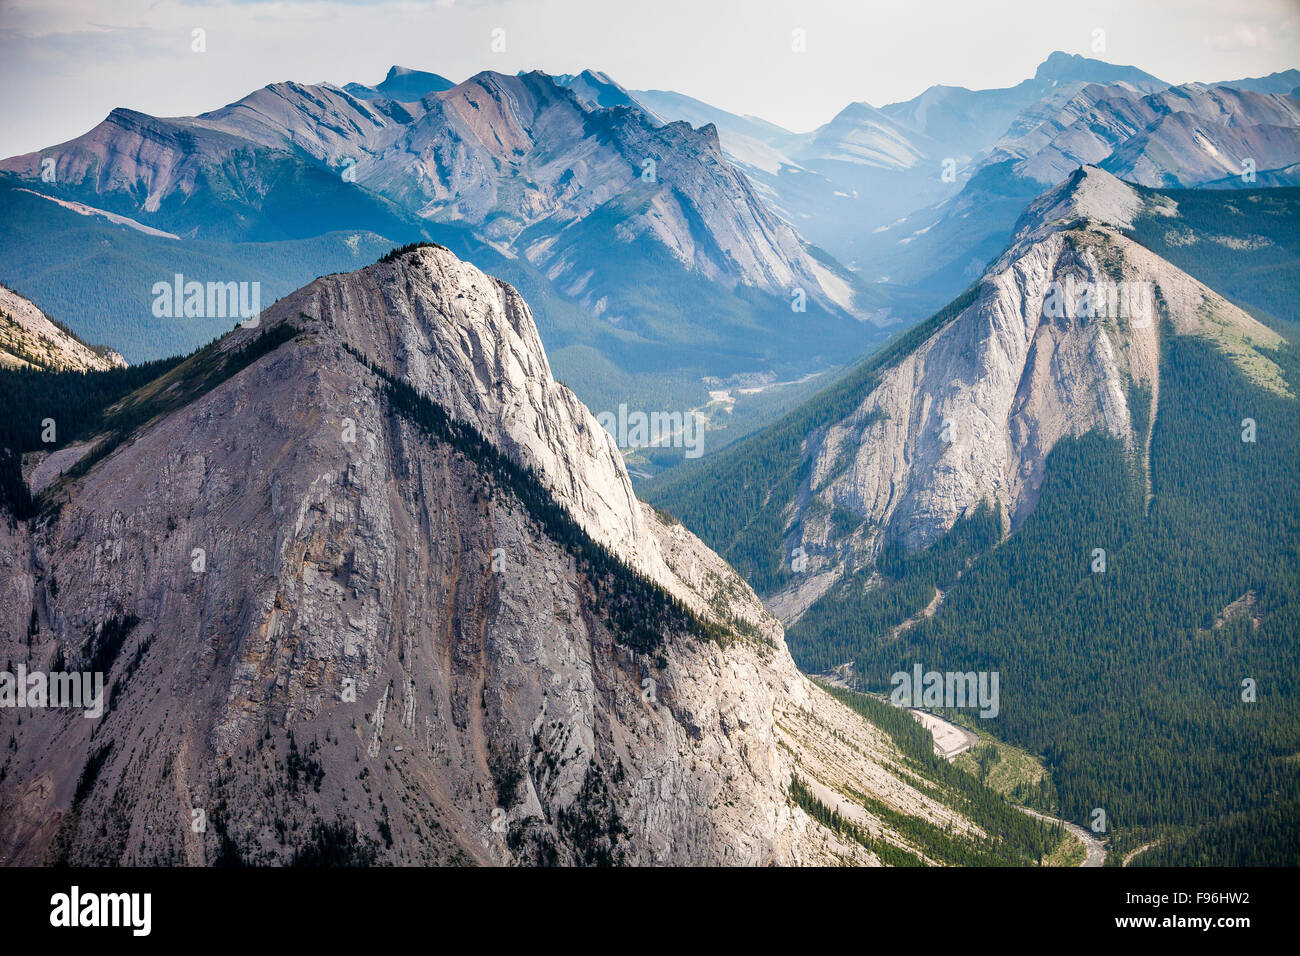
(65, 64)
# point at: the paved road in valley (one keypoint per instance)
(951, 740)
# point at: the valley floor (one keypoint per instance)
(951, 740)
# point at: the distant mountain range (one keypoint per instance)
(909, 193)
(653, 259)
(1188, 135)
(1284, 81)
(870, 166)
(671, 248)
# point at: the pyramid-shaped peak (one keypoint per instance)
(1089, 193)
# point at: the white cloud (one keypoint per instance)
(1241, 37)
(66, 63)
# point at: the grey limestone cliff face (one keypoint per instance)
(324, 631)
(970, 415)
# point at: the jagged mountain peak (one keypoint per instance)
(590, 89)
(1089, 193)
(468, 341)
(403, 84)
(396, 71)
(1072, 67)
(516, 691)
(856, 111)
(599, 90)
(546, 174)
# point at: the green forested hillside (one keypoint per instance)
(734, 500)
(1016, 839)
(1129, 682)
(74, 401)
(1244, 244)
(103, 407)
(97, 278)
(651, 348)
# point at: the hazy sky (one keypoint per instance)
(66, 63)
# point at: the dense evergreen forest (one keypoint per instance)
(74, 401)
(1244, 244)
(1130, 681)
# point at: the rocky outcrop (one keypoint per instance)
(29, 339)
(1181, 136)
(970, 415)
(327, 632)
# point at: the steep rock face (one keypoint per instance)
(380, 639)
(971, 414)
(469, 342)
(526, 157)
(520, 158)
(28, 339)
(1181, 136)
